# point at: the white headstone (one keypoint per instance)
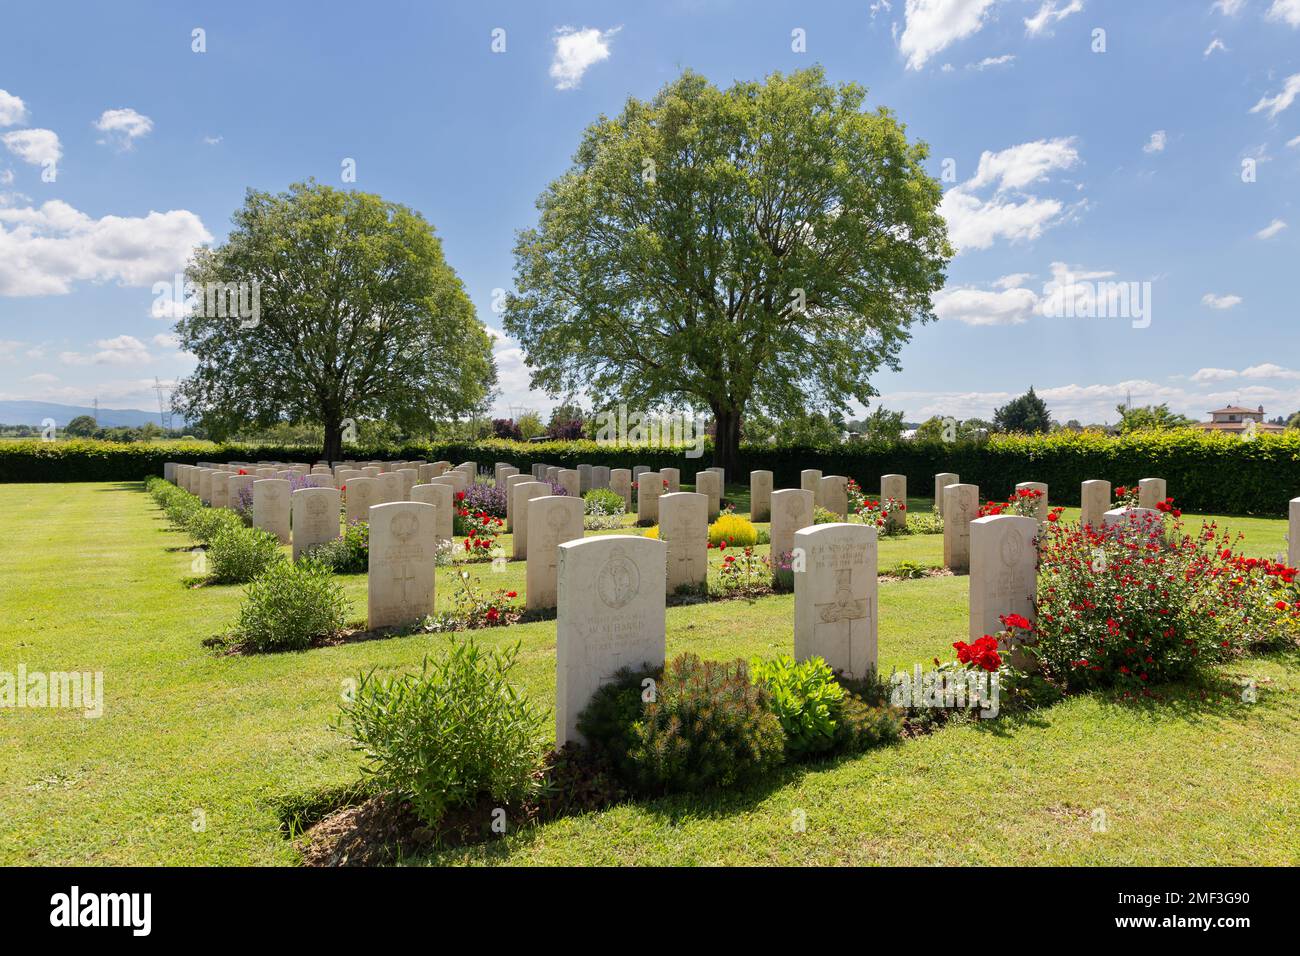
(620, 482)
(360, 494)
(895, 486)
(610, 615)
(707, 484)
(1293, 533)
(315, 518)
(684, 528)
(834, 494)
(521, 494)
(1003, 571)
(760, 496)
(511, 481)
(961, 506)
(810, 479)
(271, 506)
(1151, 491)
(442, 495)
(650, 488)
(570, 481)
(941, 481)
(1040, 506)
(835, 608)
(403, 553)
(792, 510)
(600, 476)
(1094, 501)
(674, 478)
(552, 520)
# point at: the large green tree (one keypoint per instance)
(1028, 413)
(1147, 417)
(359, 317)
(766, 247)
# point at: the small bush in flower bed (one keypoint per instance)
(238, 554)
(607, 501)
(475, 607)
(818, 714)
(733, 530)
(743, 572)
(1133, 605)
(700, 725)
(347, 554)
(291, 605)
(481, 497)
(455, 733)
(479, 528)
(205, 524)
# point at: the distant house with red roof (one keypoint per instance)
(1236, 420)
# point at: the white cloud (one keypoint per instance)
(1271, 230)
(1019, 166)
(976, 223)
(12, 110)
(35, 146)
(42, 378)
(1268, 370)
(1282, 99)
(1215, 44)
(6, 177)
(165, 341)
(1229, 8)
(513, 379)
(991, 61)
(212, 140)
(1288, 11)
(9, 350)
(1049, 14)
(1156, 143)
(122, 350)
(1214, 375)
(1220, 301)
(123, 127)
(1293, 142)
(934, 25)
(1013, 306)
(576, 51)
(44, 250)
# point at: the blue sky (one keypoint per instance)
(1171, 158)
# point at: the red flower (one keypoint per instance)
(512, 594)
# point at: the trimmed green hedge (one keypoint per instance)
(1215, 473)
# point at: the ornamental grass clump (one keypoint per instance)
(453, 734)
(290, 606)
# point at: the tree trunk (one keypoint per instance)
(726, 439)
(333, 450)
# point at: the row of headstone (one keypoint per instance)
(611, 594)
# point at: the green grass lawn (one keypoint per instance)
(91, 579)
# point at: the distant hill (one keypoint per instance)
(32, 413)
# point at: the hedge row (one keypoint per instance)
(1215, 473)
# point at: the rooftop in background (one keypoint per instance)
(1236, 419)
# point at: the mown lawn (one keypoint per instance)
(196, 753)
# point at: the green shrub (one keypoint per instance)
(861, 726)
(824, 515)
(707, 726)
(347, 554)
(290, 605)
(204, 524)
(449, 735)
(806, 699)
(237, 555)
(603, 501)
(733, 529)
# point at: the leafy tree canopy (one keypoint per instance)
(762, 248)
